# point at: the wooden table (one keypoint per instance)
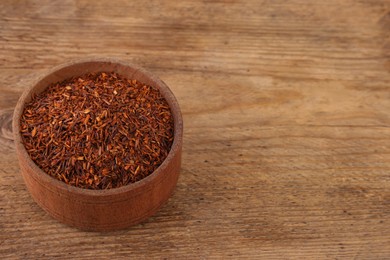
(286, 107)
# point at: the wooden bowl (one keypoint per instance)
(101, 210)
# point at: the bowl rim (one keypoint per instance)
(150, 179)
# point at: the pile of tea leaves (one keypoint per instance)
(98, 131)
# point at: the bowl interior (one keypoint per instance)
(79, 68)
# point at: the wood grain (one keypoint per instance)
(286, 108)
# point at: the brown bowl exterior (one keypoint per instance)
(101, 210)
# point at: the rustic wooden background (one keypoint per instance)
(286, 107)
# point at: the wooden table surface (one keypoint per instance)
(286, 106)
